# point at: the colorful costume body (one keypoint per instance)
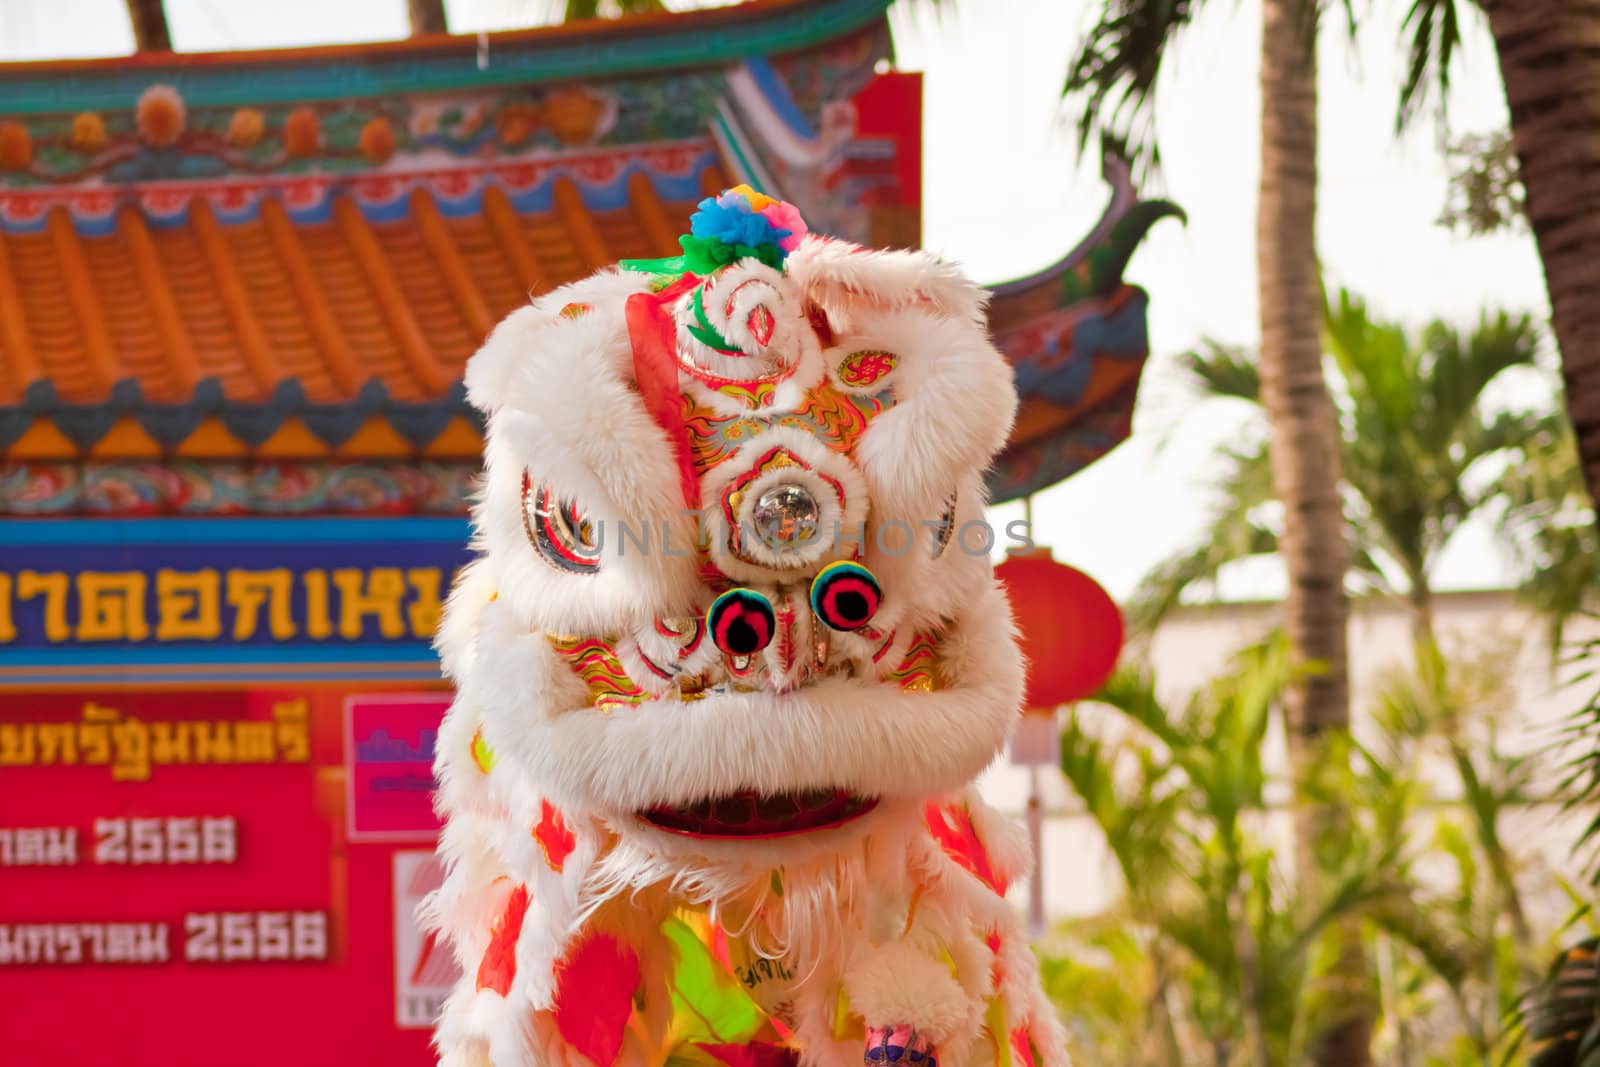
(728, 661)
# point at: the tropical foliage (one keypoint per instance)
(1181, 797)
(1424, 450)
(1220, 954)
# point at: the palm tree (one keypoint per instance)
(1419, 453)
(1117, 71)
(152, 34)
(149, 21)
(1550, 67)
(426, 17)
(1550, 63)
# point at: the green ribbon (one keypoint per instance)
(706, 255)
(702, 329)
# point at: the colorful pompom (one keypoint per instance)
(741, 622)
(729, 219)
(740, 223)
(786, 217)
(845, 595)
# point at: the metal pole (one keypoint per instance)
(1036, 839)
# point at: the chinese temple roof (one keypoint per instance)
(291, 254)
(372, 306)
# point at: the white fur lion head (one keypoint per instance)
(734, 580)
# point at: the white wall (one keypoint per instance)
(1195, 646)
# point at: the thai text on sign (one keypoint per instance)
(196, 583)
(235, 604)
(131, 746)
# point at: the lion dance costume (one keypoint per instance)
(726, 666)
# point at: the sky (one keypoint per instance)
(1006, 192)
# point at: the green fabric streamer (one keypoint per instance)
(708, 1004)
(706, 255)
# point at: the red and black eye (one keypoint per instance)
(845, 595)
(558, 530)
(741, 622)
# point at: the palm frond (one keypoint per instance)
(1434, 29)
(1547, 521)
(1234, 532)
(1563, 1018)
(1220, 370)
(1118, 67)
(1457, 370)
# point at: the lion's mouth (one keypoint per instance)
(752, 815)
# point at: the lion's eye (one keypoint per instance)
(561, 533)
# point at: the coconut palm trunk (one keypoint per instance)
(426, 17)
(150, 31)
(1549, 53)
(1305, 457)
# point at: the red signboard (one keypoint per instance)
(177, 886)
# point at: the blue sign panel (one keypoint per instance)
(163, 601)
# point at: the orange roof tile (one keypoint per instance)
(331, 305)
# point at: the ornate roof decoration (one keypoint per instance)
(1075, 333)
(227, 276)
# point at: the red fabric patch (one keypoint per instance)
(655, 368)
(499, 964)
(997, 972)
(553, 836)
(719, 948)
(1022, 1046)
(754, 1054)
(951, 826)
(594, 996)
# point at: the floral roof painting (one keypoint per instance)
(248, 282)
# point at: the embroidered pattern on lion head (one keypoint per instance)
(729, 658)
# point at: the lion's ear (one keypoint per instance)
(581, 320)
(841, 277)
(492, 369)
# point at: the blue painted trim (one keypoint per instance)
(274, 676)
(777, 94)
(414, 652)
(317, 529)
(705, 39)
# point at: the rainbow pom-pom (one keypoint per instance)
(739, 223)
(741, 622)
(845, 595)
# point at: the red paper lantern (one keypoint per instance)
(1071, 630)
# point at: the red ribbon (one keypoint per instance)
(653, 335)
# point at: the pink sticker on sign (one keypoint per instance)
(388, 752)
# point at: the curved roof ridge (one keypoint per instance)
(708, 36)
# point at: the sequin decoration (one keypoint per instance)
(836, 419)
(915, 671)
(861, 369)
(596, 662)
(576, 311)
(752, 394)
